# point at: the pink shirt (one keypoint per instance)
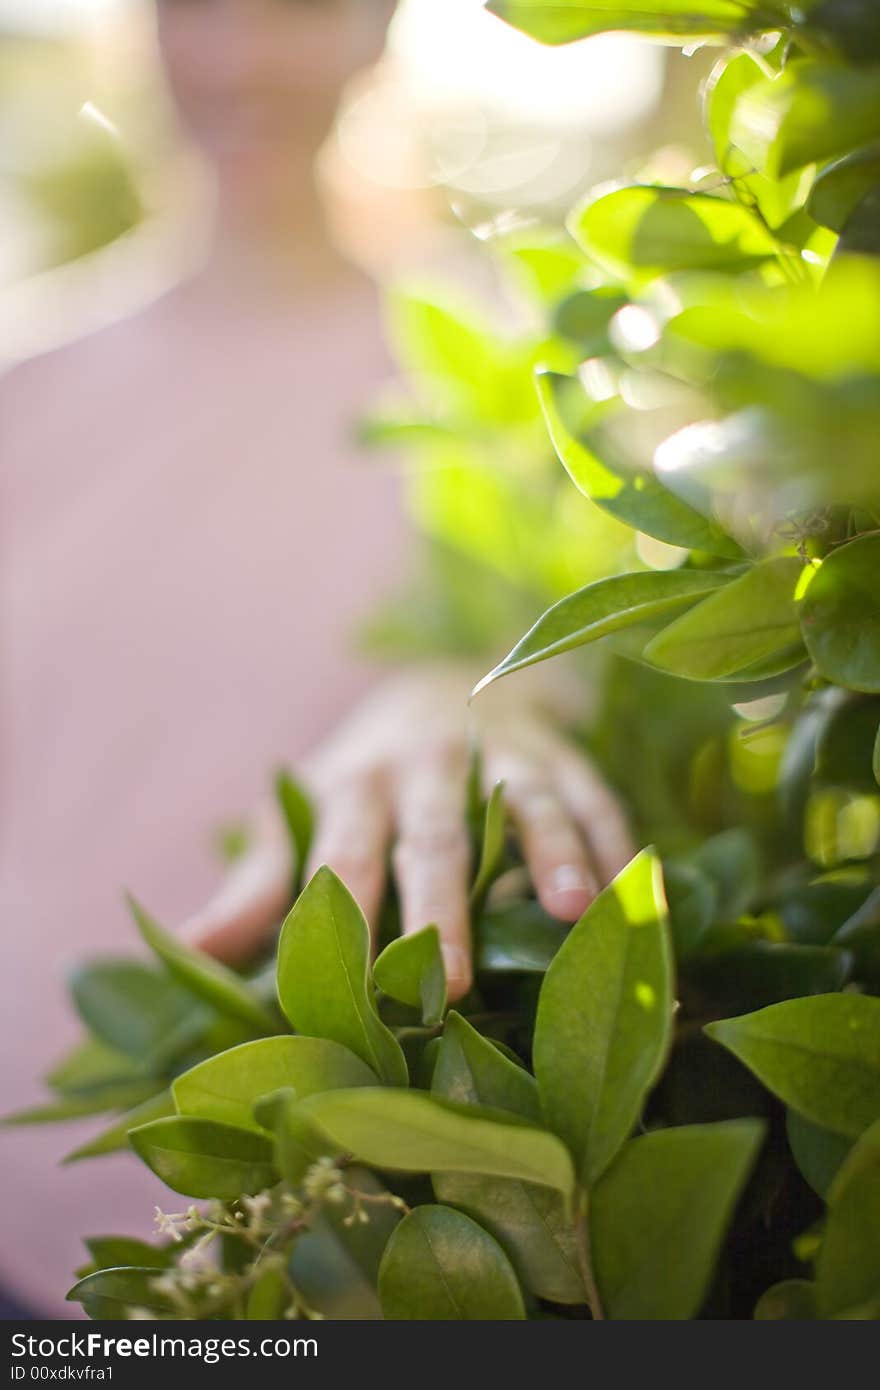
(178, 592)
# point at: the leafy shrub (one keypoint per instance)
(673, 1109)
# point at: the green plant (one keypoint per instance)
(708, 374)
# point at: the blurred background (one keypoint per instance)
(464, 124)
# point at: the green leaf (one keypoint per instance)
(812, 111)
(127, 1005)
(112, 1252)
(841, 186)
(731, 862)
(841, 616)
(641, 232)
(794, 1300)
(658, 1217)
(530, 1222)
(848, 1266)
(638, 499)
(471, 1071)
(748, 621)
(775, 199)
(93, 1064)
(114, 1138)
(604, 607)
(821, 1056)
(201, 1159)
(876, 758)
(520, 938)
(693, 900)
(441, 1266)
(494, 831)
(297, 1143)
(299, 817)
(119, 1290)
(817, 1152)
(411, 970)
(268, 1297)
(584, 318)
(323, 976)
(411, 1132)
(605, 1017)
(204, 977)
(336, 1267)
(227, 1087)
(561, 21)
(120, 1096)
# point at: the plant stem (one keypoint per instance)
(585, 1262)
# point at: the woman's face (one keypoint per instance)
(260, 78)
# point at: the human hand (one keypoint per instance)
(395, 774)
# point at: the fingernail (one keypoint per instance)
(567, 878)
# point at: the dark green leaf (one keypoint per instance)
(840, 187)
(411, 970)
(605, 1016)
(119, 1290)
(841, 616)
(821, 1056)
(324, 982)
(127, 1005)
(227, 1087)
(750, 620)
(519, 937)
(731, 862)
(201, 1159)
(659, 1215)
(408, 1131)
(441, 1266)
(205, 977)
(693, 899)
(336, 1267)
(604, 607)
(817, 1152)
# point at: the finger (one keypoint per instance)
(598, 813)
(353, 831)
(432, 856)
(553, 848)
(251, 901)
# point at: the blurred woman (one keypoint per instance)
(189, 541)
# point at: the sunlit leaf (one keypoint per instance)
(605, 1017)
(605, 607)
